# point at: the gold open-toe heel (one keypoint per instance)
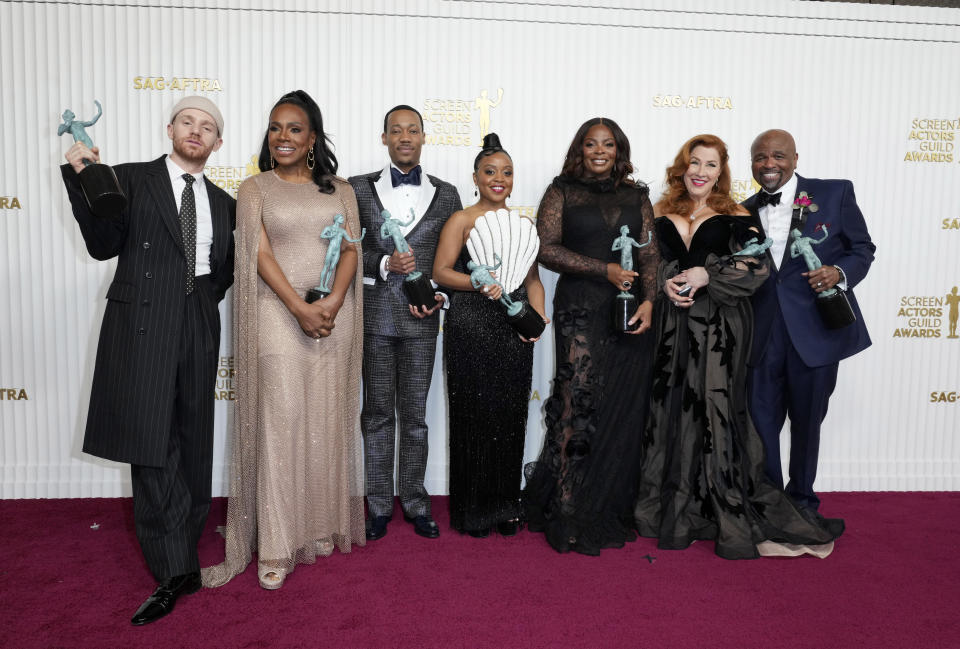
(324, 547)
(271, 577)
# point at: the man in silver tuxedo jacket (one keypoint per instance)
(399, 340)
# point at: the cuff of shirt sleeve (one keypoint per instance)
(842, 284)
(383, 267)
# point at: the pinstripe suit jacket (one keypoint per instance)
(385, 310)
(132, 397)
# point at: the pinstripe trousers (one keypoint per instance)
(171, 502)
(396, 380)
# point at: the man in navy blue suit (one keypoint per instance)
(794, 360)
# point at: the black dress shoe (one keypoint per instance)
(508, 528)
(479, 534)
(424, 526)
(377, 528)
(833, 526)
(165, 596)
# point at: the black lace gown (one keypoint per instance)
(489, 370)
(702, 476)
(581, 490)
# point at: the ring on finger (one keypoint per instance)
(626, 284)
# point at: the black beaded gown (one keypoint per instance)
(489, 370)
(702, 476)
(581, 490)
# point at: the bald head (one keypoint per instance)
(773, 158)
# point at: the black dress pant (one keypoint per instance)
(171, 502)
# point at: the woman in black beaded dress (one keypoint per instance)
(489, 366)
(580, 492)
(702, 476)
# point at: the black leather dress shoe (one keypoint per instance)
(165, 596)
(377, 527)
(479, 534)
(424, 526)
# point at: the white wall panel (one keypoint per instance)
(847, 80)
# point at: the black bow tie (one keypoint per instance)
(763, 198)
(412, 177)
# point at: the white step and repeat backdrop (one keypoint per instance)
(870, 92)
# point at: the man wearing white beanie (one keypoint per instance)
(152, 402)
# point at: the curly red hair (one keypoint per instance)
(676, 200)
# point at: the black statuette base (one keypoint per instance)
(102, 190)
(623, 309)
(419, 291)
(527, 322)
(315, 294)
(835, 310)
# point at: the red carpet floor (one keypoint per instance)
(893, 581)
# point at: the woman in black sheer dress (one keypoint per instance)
(581, 490)
(489, 367)
(702, 476)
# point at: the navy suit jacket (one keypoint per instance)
(848, 246)
(134, 381)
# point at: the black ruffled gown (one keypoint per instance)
(702, 476)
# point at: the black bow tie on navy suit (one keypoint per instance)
(763, 198)
(412, 177)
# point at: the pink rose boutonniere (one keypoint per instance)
(804, 202)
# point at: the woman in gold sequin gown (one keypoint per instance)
(296, 481)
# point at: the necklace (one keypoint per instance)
(693, 216)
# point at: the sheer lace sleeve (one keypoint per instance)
(735, 277)
(648, 256)
(553, 254)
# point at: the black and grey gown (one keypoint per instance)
(489, 370)
(702, 476)
(580, 492)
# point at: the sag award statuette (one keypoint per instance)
(501, 240)
(832, 304)
(99, 183)
(336, 233)
(416, 285)
(625, 304)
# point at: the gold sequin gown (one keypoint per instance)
(296, 480)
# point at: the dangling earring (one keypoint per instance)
(273, 163)
(311, 160)
(476, 192)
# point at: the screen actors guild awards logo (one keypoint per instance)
(929, 316)
(931, 140)
(953, 310)
(230, 178)
(452, 122)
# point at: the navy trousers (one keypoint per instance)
(782, 385)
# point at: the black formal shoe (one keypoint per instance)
(834, 526)
(424, 526)
(508, 528)
(165, 596)
(479, 534)
(377, 527)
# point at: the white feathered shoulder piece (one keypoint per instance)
(510, 237)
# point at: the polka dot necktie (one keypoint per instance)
(188, 226)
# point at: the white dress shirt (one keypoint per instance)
(204, 218)
(776, 218)
(400, 200)
(776, 221)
